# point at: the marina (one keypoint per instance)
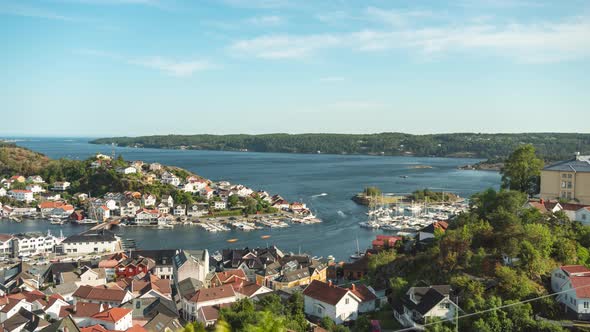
(296, 176)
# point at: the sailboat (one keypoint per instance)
(358, 253)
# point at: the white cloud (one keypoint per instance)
(261, 4)
(169, 66)
(34, 12)
(534, 42)
(285, 46)
(396, 17)
(266, 20)
(173, 67)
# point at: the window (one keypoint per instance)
(569, 176)
(569, 185)
(137, 304)
(563, 184)
(586, 305)
(583, 217)
(347, 300)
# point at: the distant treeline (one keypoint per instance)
(551, 146)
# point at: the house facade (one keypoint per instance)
(569, 180)
(326, 300)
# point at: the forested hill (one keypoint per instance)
(551, 146)
(18, 160)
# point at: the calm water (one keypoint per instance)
(295, 177)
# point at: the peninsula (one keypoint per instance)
(550, 146)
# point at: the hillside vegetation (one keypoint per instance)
(17, 160)
(551, 146)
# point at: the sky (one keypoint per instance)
(142, 67)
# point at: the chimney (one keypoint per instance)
(542, 201)
(330, 283)
(577, 155)
(353, 288)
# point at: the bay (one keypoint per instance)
(324, 182)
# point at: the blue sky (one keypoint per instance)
(139, 67)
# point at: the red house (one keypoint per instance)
(383, 242)
(131, 267)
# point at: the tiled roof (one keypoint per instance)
(112, 315)
(362, 292)
(324, 292)
(100, 294)
(582, 286)
(215, 293)
(575, 269)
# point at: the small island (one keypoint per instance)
(372, 196)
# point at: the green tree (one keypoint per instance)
(521, 170)
(372, 191)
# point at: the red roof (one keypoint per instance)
(582, 286)
(215, 293)
(50, 205)
(136, 328)
(324, 292)
(575, 269)
(362, 292)
(21, 191)
(94, 328)
(100, 294)
(112, 315)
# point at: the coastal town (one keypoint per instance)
(91, 282)
(189, 199)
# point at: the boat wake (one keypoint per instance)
(320, 195)
(342, 214)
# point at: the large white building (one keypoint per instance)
(21, 195)
(93, 241)
(33, 243)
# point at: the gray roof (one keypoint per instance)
(577, 164)
(161, 321)
(92, 236)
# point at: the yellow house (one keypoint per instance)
(569, 180)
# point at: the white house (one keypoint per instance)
(155, 167)
(114, 319)
(129, 209)
(206, 297)
(148, 200)
(127, 170)
(3, 192)
(163, 208)
(35, 179)
(33, 243)
(92, 241)
(103, 213)
(12, 307)
(5, 244)
(573, 284)
(21, 195)
(169, 178)
(54, 306)
(179, 210)
(168, 200)
(146, 217)
(61, 185)
(219, 205)
(35, 188)
(326, 300)
(422, 303)
(206, 192)
(583, 215)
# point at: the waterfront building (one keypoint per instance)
(21, 195)
(569, 180)
(92, 241)
(28, 244)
